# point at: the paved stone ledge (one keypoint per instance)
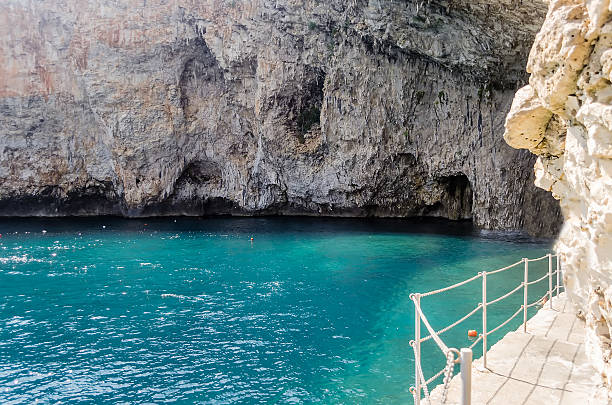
(546, 365)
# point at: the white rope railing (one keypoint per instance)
(420, 382)
(545, 276)
(420, 377)
(509, 293)
(437, 375)
(432, 332)
(538, 301)
(505, 268)
(505, 322)
(540, 258)
(441, 290)
(475, 342)
(452, 325)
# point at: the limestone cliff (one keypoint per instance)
(158, 107)
(564, 116)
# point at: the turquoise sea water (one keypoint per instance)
(190, 310)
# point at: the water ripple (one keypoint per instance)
(191, 311)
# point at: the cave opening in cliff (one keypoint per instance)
(308, 113)
(457, 197)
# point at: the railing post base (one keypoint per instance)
(466, 376)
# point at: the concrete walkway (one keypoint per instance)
(546, 365)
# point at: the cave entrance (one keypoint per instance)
(307, 110)
(457, 197)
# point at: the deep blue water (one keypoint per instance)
(192, 310)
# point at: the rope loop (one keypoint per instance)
(458, 353)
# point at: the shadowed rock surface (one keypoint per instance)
(350, 108)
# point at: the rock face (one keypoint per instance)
(386, 108)
(564, 116)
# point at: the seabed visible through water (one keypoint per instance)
(192, 310)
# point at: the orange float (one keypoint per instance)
(472, 333)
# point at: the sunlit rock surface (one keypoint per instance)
(386, 108)
(571, 73)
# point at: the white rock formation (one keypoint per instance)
(564, 116)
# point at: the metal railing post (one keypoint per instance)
(417, 345)
(550, 281)
(484, 319)
(466, 376)
(558, 274)
(525, 281)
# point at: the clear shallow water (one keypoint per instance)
(312, 310)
